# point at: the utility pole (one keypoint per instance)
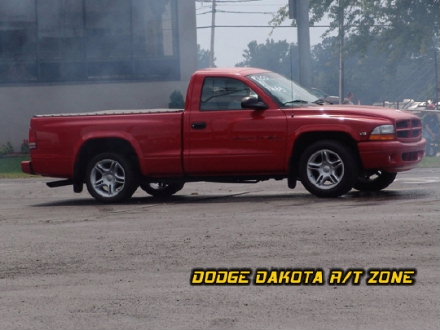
(436, 43)
(437, 84)
(341, 52)
(211, 59)
(301, 11)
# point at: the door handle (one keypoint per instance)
(198, 125)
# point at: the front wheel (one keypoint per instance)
(328, 168)
(111, 178)
(374, 180)
(161, 189)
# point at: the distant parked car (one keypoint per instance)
(431, 132)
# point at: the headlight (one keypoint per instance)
(383, 132)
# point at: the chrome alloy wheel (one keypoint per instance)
(325, 169)
(107, 177)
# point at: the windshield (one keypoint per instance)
(284, 91)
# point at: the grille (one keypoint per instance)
(409, 129)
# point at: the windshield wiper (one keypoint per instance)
(295, 101)
(320, 101)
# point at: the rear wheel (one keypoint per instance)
(161, 189)
(111, 178)
(374, 180)
(328, 168)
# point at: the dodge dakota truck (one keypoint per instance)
(240, 125)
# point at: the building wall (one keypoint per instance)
(18, 103)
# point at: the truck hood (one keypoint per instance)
(359, 111)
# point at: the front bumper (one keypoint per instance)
(26, 167)
(391, 156)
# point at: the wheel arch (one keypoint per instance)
(95, 146)
(305, 139)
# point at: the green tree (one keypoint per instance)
(324, 66)
(203, 58)
(6, 148)
(277, 56)
(369, 76)
(400, 28)
(389, 47)
(176, 100)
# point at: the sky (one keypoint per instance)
(231, 42)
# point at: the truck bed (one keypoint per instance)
(155, 135)
(111, 112)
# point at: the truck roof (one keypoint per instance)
(240, 71)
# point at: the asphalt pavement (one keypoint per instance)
(69, 262)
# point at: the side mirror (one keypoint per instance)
(251, 102)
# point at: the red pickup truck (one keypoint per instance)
(239, 125)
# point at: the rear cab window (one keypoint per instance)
(221, 93)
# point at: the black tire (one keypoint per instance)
(328, 168)
(374, 180)
(111, 178)
(162, 189)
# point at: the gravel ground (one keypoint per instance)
(68, 262)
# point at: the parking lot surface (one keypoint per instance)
(68, 262)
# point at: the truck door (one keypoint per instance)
(222, 138)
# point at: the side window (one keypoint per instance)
(224, 94)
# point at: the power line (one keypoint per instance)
(229, 1)
(259, 26)
(253, 3)
(213, 12)
(206, 12)
(238, 12)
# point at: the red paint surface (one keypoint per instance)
(234, 142)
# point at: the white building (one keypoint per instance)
(84, 55)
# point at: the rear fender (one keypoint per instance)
(84, 142)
